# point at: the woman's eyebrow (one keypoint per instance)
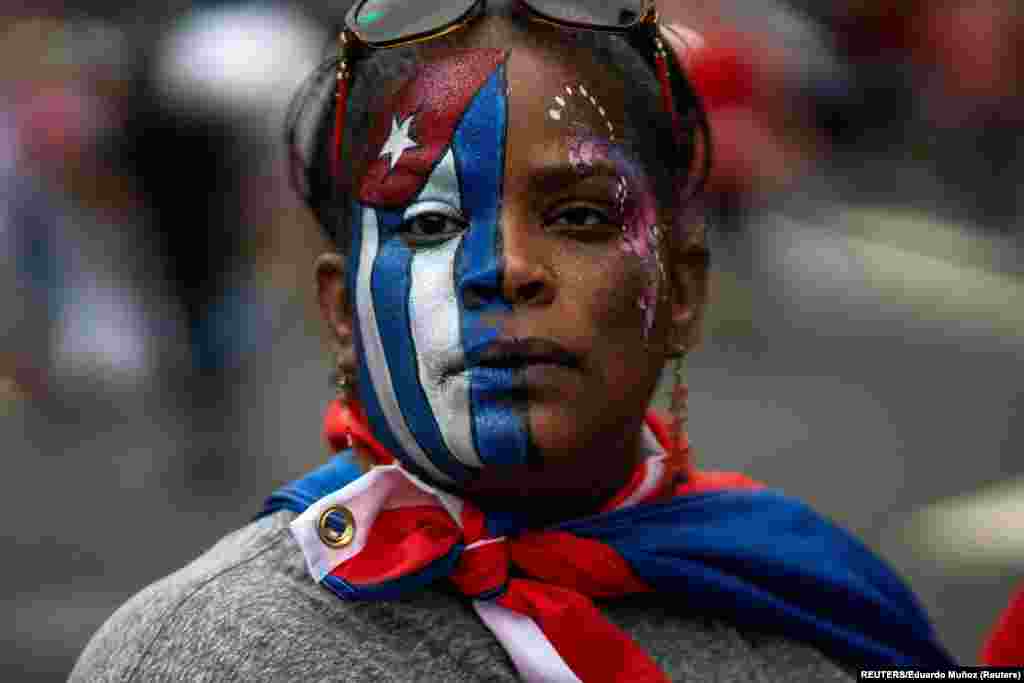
(549, 177)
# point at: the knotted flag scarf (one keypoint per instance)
(712, 544)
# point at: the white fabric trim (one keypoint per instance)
(534, 656)
(385, 487)
(436, 332)
(435, 321)
(649, 443)
(453, 504)
(485, 541)
(654, 469)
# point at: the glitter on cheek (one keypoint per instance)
(634, 202)
(621, 193)
(636, 207)
(656, 275)
(640, 237)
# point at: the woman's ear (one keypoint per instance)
(332, 297)
(688, 272)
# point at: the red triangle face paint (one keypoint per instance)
(412, 135)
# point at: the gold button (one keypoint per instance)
(336, 526)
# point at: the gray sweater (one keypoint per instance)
(247, 610)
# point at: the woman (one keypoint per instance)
(517, 267)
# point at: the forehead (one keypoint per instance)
(537, 77)
(548, 96)
(553, 102)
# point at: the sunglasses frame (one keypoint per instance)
(358, 39)
(642, 34)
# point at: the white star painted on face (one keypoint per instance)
(399, 141)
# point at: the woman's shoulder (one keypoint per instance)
(171, 611)
(701, 648)
(248, 610)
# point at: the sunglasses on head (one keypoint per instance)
(380, 24)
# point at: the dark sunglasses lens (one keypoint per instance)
(381, 21)
(609, 13)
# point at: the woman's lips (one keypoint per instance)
(515, 355)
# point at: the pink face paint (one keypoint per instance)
(634, 197)
(637, 207)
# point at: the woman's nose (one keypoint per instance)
(525, 281)
(518, 276)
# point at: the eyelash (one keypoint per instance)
(433, 214)
(603, 224)
(603, 218)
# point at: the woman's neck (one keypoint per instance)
(558, 488)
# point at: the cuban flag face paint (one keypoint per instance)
(422, 309)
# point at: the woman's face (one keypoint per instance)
(507, 276)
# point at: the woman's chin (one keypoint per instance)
(559, 429)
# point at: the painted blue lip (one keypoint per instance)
(490, 380)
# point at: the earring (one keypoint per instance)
(342, 433)
(678, 409)
(343, 385)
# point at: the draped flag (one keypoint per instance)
(716, 544)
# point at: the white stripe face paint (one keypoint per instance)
(443, 184)
(373, 349)
(434, 319)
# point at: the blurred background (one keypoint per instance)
(161, 361)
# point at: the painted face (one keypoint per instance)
(439, 170)
(504, 273)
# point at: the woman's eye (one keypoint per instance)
(431, 228)
(580, 216)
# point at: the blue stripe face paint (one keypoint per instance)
(424, 308)
(500, 431)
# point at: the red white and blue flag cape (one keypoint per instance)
(719, 545)
(1004, 646)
